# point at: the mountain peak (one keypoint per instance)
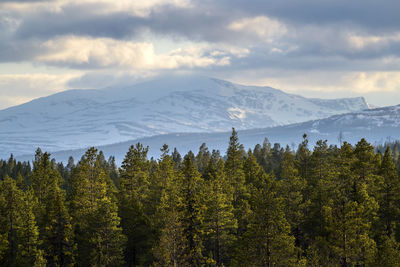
(188, 103)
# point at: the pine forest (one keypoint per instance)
(310, 205)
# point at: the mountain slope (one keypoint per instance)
(78, 118)
(376, 125)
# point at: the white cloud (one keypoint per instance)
(327, 81)
(359, 42)
(19, 88)
(262, 27)
(366, 82)
(137, 8)
(379, 87)
(106, 53)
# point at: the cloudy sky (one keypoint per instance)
(314, 48)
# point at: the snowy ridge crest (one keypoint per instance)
(79, 118)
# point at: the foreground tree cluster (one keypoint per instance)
(329, 206)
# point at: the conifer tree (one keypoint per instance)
(348, 218)
(303, 157)
(366, 167)
(58, 242)
(18, 229)
(236, 177)
(192, 207)
(177, 158)
(234, 167)
(388, 253)
(44, 176)
(171, 250)
(55, 229)
(389, 195)
(106, 238)
(267, 241)
(21, 182)
(202, 158)
(133, 202)
(316, 193)
(264, 154)
(92, 198)
(291, 188)
(219, 222)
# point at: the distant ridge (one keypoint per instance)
(80, 118)
(376, 125)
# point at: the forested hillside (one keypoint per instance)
(314, 205)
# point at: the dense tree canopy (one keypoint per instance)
(270, 206)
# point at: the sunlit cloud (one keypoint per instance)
(302, 47)
(105, 53)
(19, 88)
(262, 27)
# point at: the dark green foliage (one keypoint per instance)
(98, 234)
(133, 204)
(317, 206)
(18, 230)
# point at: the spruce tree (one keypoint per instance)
(236, 177)
(134, 203)
(389, 195)
(202, 158)
(220, 223)
(348, 214)
(54, 222)
(388, 253)
(192, 207)
(234, 167)
(291, 188)
(171, 250)
(18, 229)
(267, 241)
(91, 198)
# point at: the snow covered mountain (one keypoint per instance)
(79, 118)
(377, 126)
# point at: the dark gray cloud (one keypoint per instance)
(370, 14)
(201, 23)
(317, 31)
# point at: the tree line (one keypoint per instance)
(268, 206)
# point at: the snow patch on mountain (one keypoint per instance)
(79, 118)
(377, 126)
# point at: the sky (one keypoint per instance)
(314, 48)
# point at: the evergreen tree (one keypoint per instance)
(52, 216)
(106, 238)
(389, 195)
(347, 217)
(18, 231)
(389, 253)
(91, 198)
(320, 170)
(192, 208)
(365, 166)
(219, 223)
(58, 242)
(291, 188)
(171, 250)
(177, 158)
(236, 177)
(234, 167)
(267, 241)
(264, 154)
(303, 157)
(202, 158)
(133, 203)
